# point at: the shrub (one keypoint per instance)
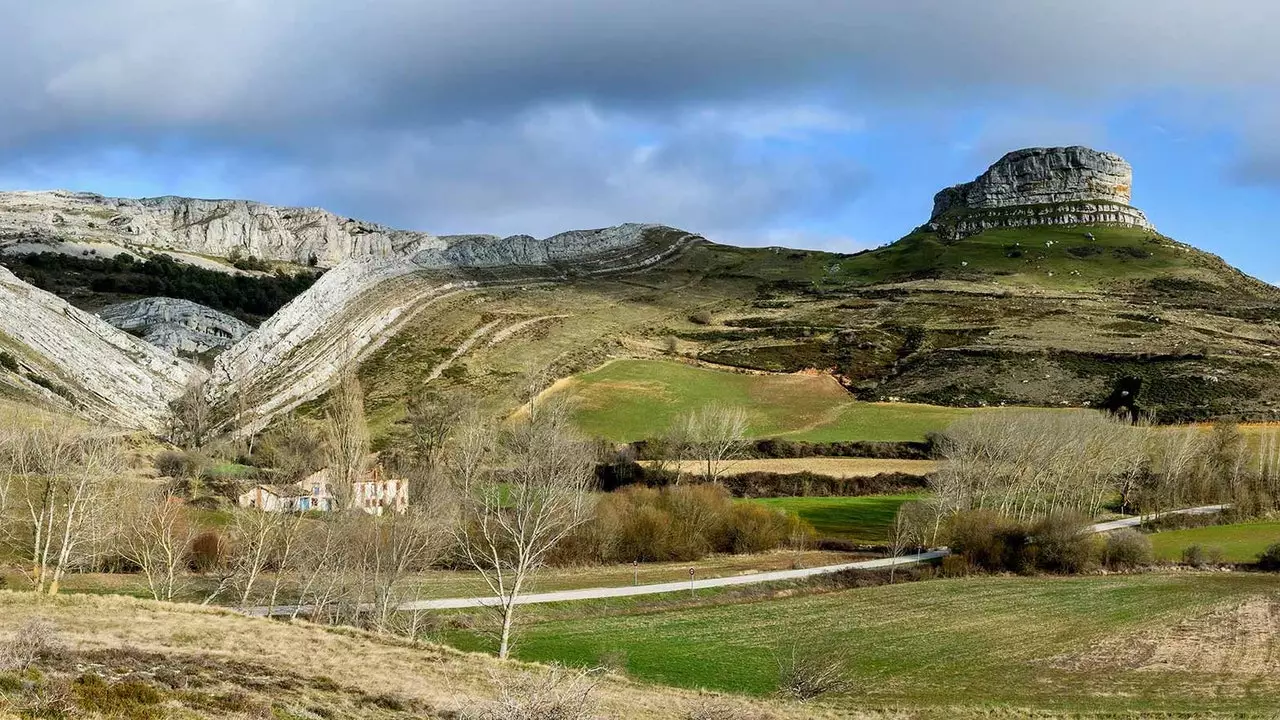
(1200, 556)
(988, 541)
(756, 528)
(1269, 559)
(208, 551)
(677, 523)
(35, 639)
(556, 695)
(1126, 549)
(8, 362)
(124, 699)
(701, 317)
(805, 675)
(1062, 543)
(179, 464)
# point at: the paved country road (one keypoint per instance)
(732, 580)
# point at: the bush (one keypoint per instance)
(1199, 556)
(677, 523)
(35, 639)
(756, 528)
(988, 541)
(701, 317)
(8, 362)
(1127, 549)
(123, 699)
(556, 695)
(1062, 543)
(1269, 559)
(804, 675)
(180, 464)
(992, 542)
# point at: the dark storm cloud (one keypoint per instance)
(427, 112)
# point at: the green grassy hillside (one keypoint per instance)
(636, 399)
(1034, 316)
(1006, 646)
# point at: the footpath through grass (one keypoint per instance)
(989, 642)
(636, 399)
(1239, 543)
(862, 519)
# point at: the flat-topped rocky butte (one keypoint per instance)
(1040, 186)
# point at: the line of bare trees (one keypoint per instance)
(1026, 464)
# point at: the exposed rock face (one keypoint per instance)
(217, 228)
(351, 310)
(379, 277)
(180, 326)
(1041, 186)
(104, 373)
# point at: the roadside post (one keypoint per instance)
(690, 582)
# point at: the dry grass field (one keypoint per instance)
(206, 663)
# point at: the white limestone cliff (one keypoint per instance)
(105, 374)
(181, 327)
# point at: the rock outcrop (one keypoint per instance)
(181, 327)
(218, 228)
(75, 360)
(1040, 186)
(352, 309)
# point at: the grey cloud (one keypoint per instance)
(476, 114)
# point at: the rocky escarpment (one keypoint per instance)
(380, 276)
(181, 327)
(75, 360)
(196, 228)
(1040, 186)
(354, 308)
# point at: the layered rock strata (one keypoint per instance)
(181, 327)
(76, 360)
(1040, 186)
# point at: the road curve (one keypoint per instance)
(729, 581)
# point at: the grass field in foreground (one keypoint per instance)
(863, 519)
(1239, 543)
(989, 642)
(636, 399)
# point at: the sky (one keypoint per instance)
(823, 124)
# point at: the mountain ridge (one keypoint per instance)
(950, 314)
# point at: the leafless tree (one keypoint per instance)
(348, 435)
(255, 542)
(907, 531)
(192, 415)
(69, 473)
(715, 436)
(158, 540)
(1027, 463)
(521, 492)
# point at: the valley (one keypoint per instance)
(392, 441)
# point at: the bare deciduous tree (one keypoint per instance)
(714, 435)
(1027, 463)
(158, 540)
(192, 415)
(69, 472)
(348, 435)
(521, 492)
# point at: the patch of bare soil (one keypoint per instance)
(1238, 639)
